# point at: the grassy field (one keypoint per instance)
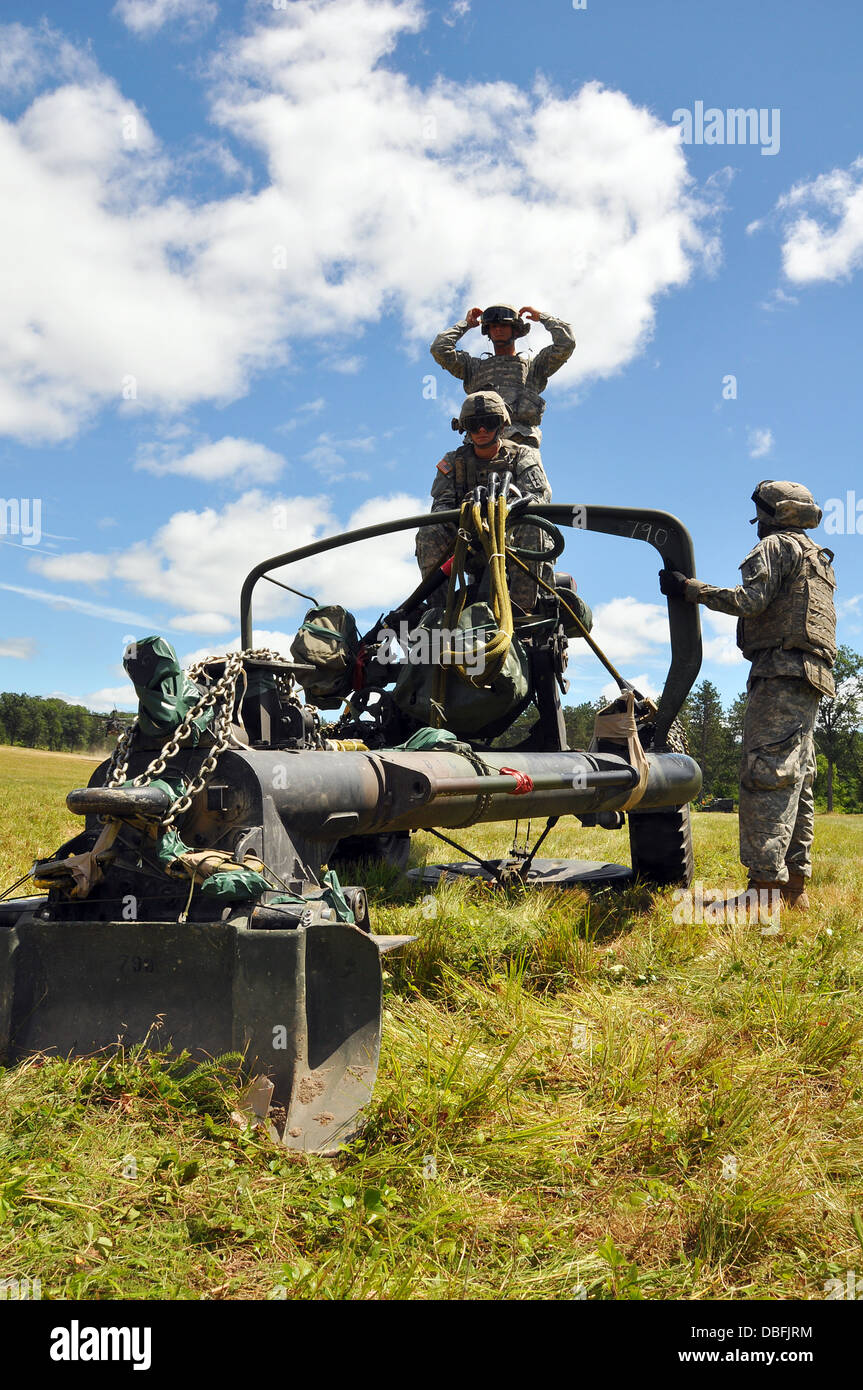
(577, 1098)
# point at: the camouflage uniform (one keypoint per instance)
(786, 628)
(435, 543)
(518, 380)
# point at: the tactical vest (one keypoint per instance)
(802, 616)
(469, 471)
(508, 376)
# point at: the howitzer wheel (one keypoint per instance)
(660, 843)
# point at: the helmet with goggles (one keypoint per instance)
(785, 504)
(482, 410)
(506, 314)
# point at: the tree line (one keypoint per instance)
(37, 721)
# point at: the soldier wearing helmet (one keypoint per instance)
(518, 380)
(484, 419)
(787, 628)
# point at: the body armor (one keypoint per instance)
(802, 616)
(508, 376)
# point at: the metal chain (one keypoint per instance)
(222, 694)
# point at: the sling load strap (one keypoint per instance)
(619, 726)
(490, 532)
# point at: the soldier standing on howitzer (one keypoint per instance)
(518, 380)
(485, 418)
(787, 629)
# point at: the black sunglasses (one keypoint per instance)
(484, 422)
(498, 316)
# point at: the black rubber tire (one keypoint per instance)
(393, 849)
(661, 846)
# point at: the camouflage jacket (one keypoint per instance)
(772, 563)
(519, 460)
(519, 380)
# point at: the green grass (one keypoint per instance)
(573, 1093)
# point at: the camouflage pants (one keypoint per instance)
(435, 543)
(777, 772)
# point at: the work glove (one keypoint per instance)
(672, 583)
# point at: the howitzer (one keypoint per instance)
(199, 906)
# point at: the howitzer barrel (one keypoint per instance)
(390, 791)
(323, 796)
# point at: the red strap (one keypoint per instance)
(447, 566)
(359, 670)
(523, 784)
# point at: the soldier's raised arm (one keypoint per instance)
(444, 351)
(557, 352)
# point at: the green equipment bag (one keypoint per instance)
(165, 693)
(329, 641)
(468, 708)
(580, 608)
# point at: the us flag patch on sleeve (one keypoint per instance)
(445, 466)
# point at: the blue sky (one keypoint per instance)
(230, 232)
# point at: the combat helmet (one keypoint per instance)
(785, 504)
(504, 313)
(482, 404)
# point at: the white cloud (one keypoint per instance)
(84, 567)
(108, 698)
(146, 17)
(304, 415)
(760, 442)
(722, 646)
(822, 221)
(482, 170)
(778, 299)
(200, 558)
(77, 605)
(201, 622)
(326, 457)
(238, 460)
(348, 366)
(643, 683)
(628, 630)
(262, 639)
(457, 10)
(19, 648)
(29, 56)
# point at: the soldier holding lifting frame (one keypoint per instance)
(484, 418)
(518, 380)
(787, 629)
